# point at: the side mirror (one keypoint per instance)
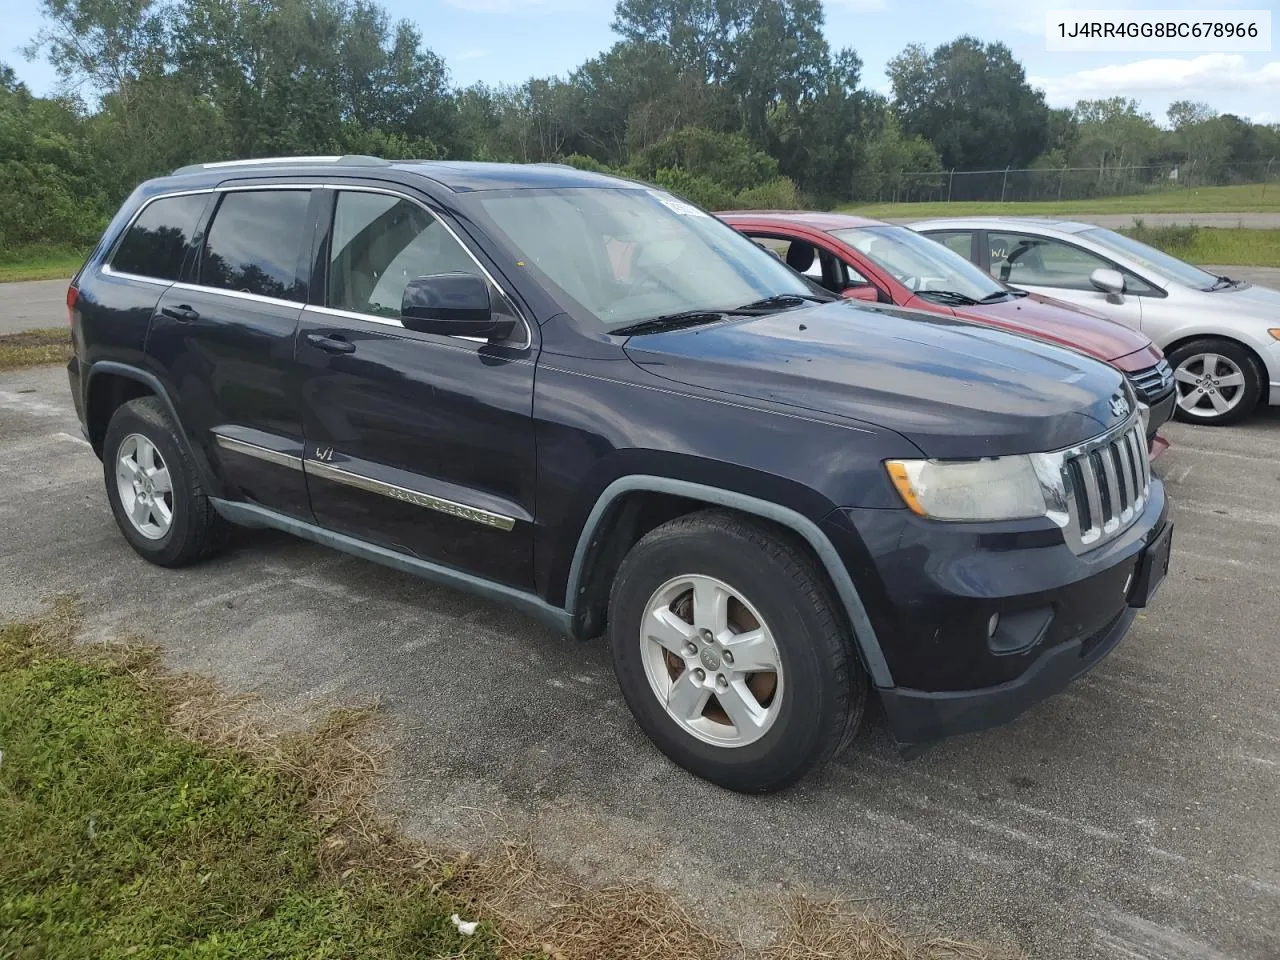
(1110, 282)
(861, 291)
(453, 304)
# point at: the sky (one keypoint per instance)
(507, 41)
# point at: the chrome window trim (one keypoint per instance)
(248, 187)
(258, 452)
(384, 321)
(239, 295)
(486, 518)
(217, 164)
(106, 270)
(361, 188)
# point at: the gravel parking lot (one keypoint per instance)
(1137, 815)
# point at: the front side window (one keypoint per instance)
(255, 242)
(1041, 262)
(629, 254)
(920, 264)
(156, 244)
(380, 243)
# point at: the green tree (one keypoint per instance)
(972, 102)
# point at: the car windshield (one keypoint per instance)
(631, 254)
(920, 264)
(1171, 268)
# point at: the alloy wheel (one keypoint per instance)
(711, 661)
(146, 491)
(1209, 385)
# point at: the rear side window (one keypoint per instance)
(156, 243)
(254, 242)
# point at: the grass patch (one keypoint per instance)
(1252, 198)
(145, 815)
(40, 263)
(1244, 247)
(34, 348)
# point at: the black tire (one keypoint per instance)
(195, 531)
(1250, 392)
(824, 687)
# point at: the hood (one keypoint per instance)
(955, 389)
(1071, 326)
(1263, 301)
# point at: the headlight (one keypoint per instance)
(1003, 488)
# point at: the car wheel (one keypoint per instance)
(731, 653)
(154, 490)
(1218, 382)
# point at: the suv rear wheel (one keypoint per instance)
(154, 490)
(731, 654)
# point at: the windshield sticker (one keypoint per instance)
(676, 205)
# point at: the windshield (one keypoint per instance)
(630, 254)
(1171, 268)
(920, 264)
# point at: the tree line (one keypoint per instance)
(729, 102)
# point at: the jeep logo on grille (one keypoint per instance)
(1119, 405)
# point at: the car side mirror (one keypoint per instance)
(861, 291)
(1110, 282)
(452, 304)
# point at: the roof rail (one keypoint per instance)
(350, 159)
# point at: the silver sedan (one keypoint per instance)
(1221, 336)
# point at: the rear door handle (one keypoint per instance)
(182, 313)
(331, 344)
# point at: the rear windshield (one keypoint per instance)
(630, 254)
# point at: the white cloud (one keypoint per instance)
(1265, 117)
(1211, 73)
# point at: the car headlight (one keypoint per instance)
(1001, 488)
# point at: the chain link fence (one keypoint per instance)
(1078, 183)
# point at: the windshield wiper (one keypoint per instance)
(947, 296)
(782, 300)
(671, 321)
(1223, 283)
(996, 297)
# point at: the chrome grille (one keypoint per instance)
(1105, 484)
(1153, 383)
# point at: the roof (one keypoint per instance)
(458, 176)
(803, 218)
(1043, 223)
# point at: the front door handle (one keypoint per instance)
(331, 343)
(182, 313)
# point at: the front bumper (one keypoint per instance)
(1160, 412)
(938, 588)
(920, 716)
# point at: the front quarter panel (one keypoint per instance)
(601, 418)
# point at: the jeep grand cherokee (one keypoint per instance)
(588, 398)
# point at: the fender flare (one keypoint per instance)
(151, 381)
(864, 634)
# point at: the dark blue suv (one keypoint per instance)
(588, 398)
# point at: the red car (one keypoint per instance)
(866, 259)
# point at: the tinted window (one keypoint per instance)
(156, 244)
(254, 242)
(379, 244)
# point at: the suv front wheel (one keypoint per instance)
(731, 654)
(154, 489)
